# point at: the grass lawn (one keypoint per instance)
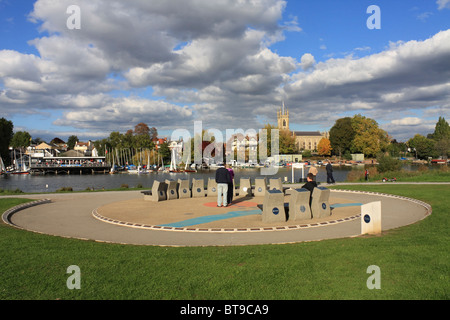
(413, 260)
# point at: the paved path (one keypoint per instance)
(70, 215)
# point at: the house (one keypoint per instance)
(43, 150)
(86, 148)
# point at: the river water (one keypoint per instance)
(51, 183)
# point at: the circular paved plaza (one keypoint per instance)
(125, 217)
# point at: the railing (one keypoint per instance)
(72, 165)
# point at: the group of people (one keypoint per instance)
(225, 185)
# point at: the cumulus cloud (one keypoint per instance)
(214, 54)
(307, 61)
(409, 75)
(116, 114)
(409, 121)
(168, 63)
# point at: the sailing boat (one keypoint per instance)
(23, 166)
(173, 165)
(2, 167)
(191, 169)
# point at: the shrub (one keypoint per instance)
(355, 175)
(387, 163)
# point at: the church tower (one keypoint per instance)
(283, 118)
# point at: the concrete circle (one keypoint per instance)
(73, 216)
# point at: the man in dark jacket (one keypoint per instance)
(222, 180)
(310, 185)
(329, 168)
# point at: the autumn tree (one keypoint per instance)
(369, 138)
(324, 147)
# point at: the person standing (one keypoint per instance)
(230, 185)
(330, 178)
(313, 171)
(222, 180)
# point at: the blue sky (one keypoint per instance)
(225, 63)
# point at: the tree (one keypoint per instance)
(441, 136)
(422, 146)
(21, 139)
(6, 135)
(287, 142)
(396, 149)
(265, 147)
(442, 147)
(141, 129)
(369, 139)
(164, 151)
(341, 136)
(71, 142)
(387, 163)
(142, 137)
(324, 147)
(441, 130)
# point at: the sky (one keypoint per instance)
(87, 68)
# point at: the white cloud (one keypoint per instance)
(194, 54)
(424, 16)
(307, 61)
(210, 62)
(116, 114)
(410, 121)
(443, 4)
(414, 74)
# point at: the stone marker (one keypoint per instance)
(171, 189)
(158, 192)
(275, 184)
(371, 218)
(260, 187)
(245, 187)
(183, 189)
(212, 187)
(320, 206)
(198, 188)
(273, 207)
(299, 205)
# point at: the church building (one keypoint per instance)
(304, 140)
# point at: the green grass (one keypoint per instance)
(422, 175)
(414, 263)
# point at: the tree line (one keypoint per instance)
(357, 134)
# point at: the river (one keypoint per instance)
(51, 183)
